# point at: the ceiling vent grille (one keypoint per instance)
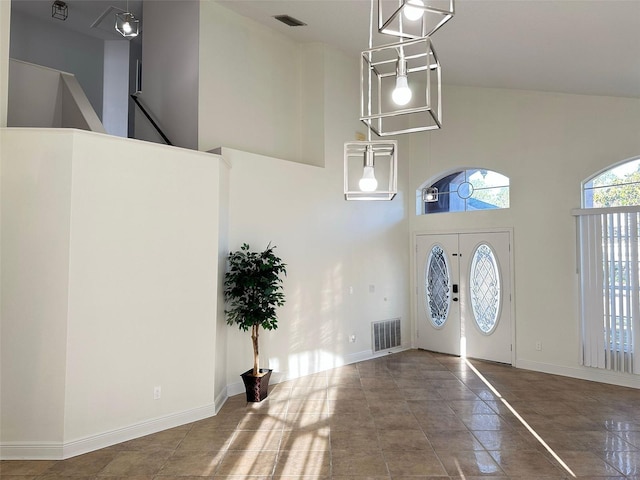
(288, 20)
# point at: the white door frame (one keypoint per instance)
(415, 286)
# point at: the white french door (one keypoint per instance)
(438, 303)
(464, 294)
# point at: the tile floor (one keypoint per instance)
(412, 415)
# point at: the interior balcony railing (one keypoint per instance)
(154, 124)
(44, 97)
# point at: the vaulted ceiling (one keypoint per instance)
(587, 47)
(575, 46)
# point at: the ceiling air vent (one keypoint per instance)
(287, 20)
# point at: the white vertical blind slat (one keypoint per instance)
(631, 292)
(634, 286)
(616, 281)
(609, 299)
(591, 286)
(594, 316)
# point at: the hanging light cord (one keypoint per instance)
(369, 68)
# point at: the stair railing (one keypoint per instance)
(135, 98)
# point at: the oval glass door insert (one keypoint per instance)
(484, 288)
(437, 286)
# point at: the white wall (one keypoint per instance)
(5, 23)
(221, 347)
(109, 288)
(36, 199)
(329, 245)
(36, 96)
(115, 101)
(249, 86)
(170, 71)
(46, 43)
(546, 144)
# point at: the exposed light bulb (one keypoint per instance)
(413, 13)
(126, 27)
(401, 95)
(368, 182)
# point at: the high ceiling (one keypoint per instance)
(574, 46)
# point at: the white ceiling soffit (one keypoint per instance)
(587, 47)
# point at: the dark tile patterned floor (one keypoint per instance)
(412, 415)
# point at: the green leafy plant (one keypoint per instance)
(253, 290)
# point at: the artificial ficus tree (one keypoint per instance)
(253, 291)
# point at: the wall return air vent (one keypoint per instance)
(386, 334)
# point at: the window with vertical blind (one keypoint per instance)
(609, 245)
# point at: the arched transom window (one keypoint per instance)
(618, 186)
(465, 190)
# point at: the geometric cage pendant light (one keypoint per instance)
(410, 19)
(400, 88)
(127, 24)
(370, 170)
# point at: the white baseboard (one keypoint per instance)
(32, 451)
(237, 388)
(583, 373)
(61, 451)
(220, 399)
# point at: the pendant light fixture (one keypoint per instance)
(400, 88)
(400, 83)
(370, 170)
(127, 24)
(410, 19)
(59, 10)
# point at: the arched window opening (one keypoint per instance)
(465, 190)
(609, 246)
(618, 186)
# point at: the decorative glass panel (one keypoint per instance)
(484, 288)
(437, 286)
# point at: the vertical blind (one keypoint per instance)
(610, 288)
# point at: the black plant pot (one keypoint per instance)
(257, 387)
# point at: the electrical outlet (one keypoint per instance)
(372, 288)
(157, 392)
(538, 345)
(352, 339)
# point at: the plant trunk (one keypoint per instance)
(254, 339)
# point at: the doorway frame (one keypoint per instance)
(414, 275)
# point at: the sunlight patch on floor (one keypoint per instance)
(520, 419)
